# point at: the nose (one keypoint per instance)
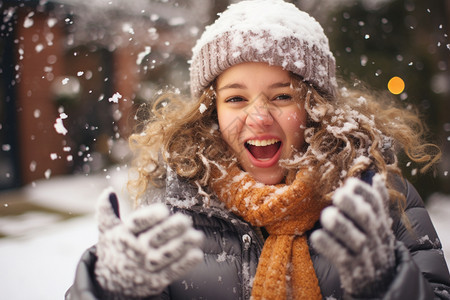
(259, 114)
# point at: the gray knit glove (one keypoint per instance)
(357, 237)
(142, 255)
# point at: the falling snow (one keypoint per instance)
(115, 98)
(59, 126)
(29, 22)
(142, 54)
(39, 48)
(33, 165)
(202, 108)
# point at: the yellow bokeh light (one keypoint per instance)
(396, 85)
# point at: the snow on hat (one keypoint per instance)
(270, 31)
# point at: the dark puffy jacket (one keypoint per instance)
(232, 248)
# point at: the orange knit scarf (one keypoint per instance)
(285, 269)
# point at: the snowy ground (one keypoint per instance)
(39, 256)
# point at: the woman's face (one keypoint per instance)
(259, 118)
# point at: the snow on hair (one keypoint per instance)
(344, 137)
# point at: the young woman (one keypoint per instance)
(279, 184)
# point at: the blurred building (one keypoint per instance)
(72, 73)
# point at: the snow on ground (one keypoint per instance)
(39, 260)
(42, 265)
(39, 257)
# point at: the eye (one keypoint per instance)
(234, 99)
(283, 97)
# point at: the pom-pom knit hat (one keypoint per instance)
(270, 31)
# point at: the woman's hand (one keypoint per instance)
(357, 237)
(142, 255)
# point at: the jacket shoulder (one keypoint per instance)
(419, 236)
(416, 231)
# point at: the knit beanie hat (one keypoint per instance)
(270, 31)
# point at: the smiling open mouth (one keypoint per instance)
(263, 149)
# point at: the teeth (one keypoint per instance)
(262, 142)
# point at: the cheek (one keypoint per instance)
(295, 121)
(230, 126)
(294, 126)
(293, 117)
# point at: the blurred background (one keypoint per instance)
(74, 72)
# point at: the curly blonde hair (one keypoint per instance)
(356, 131)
